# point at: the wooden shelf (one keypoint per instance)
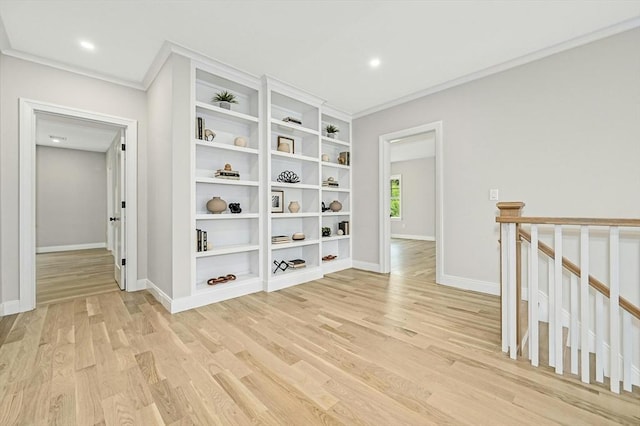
(294, 244)
(329, 189)
(335, 165)
(293, 128)
(340, 213)
(228, 114)
(293, 185)
(203, 287)
(226, 181)
(226, 216)
(239, 248)
(293, 215)
(326, 139)
(336, 237)
(294, 156)
(216, 145)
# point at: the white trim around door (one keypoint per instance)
(28, 110)
(384, 185)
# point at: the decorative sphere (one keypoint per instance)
(240, 141)
(340, 232)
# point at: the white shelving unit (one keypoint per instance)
(303, 159)
(236, 239)
(336, 245)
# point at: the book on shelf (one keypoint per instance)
(199, 127)
(344, 226)
(227, 174)
(297, 263)
(330, 183)
(280, 239)
(201, 240)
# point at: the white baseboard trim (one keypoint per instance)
(160, 295)
(70, 247)
(141, 284)
(367, 266)
(470, 284)
(413, 237)
(10, 307)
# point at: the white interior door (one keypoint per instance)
(119, 217)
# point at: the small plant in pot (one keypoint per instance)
(331, 130)
(225, 99)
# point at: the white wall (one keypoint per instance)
(418, 198)
(560, 134)
(71, 197)
(19, 78)
(170, 230)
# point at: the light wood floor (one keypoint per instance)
(354, 348)
(68, 274)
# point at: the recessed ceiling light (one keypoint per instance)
(374, 63)
(87, 45)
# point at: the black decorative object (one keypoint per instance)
(326, 231)
(324, 208)
(235, 208)
(288, 177)
(280, 266)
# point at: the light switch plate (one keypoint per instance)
(493, 195)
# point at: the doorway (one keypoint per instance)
(433, 132)
(30, 113)
(75, 185)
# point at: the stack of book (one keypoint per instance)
(280, 239)
(201, 240)
(344, 225)
(227, 174)
(330, 183)
(296, 263)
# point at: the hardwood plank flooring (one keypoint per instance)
(69, 274)
(354, 348)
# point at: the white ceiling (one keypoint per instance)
(321, 46)
(80, 134)
(422, 145)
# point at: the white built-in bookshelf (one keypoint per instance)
(338, 167)
(302, 158)
(241, 243)
(234, 239)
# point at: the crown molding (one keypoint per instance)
(72, 69)
(534, 56)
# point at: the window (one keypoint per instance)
(396, 197)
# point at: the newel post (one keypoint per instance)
(510, 277)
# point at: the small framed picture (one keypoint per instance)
(277, 201)
(286, 144)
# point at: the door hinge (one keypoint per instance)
(123, 262)
(123, 146)
(123, 205)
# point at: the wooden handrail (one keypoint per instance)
(569, 221)
(575, 269)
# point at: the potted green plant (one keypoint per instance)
(225, 99)
(331, 130)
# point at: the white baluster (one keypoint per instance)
(599, 337)
(614, 308)
(584, 303)
(558, 297)
(573, 329)
(513, 343)
(627, 344)
(551, 312)
(504, 273)
(533, 297)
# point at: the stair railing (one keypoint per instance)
(511, 237)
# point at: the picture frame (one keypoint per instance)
(277, 201)
(284, 142)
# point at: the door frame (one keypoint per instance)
(27, 185)
(385, 187)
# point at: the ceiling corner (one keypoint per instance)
(4, 38)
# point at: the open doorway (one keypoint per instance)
(126, 199)
(417, 226)
(412, 206)
(77, 188)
